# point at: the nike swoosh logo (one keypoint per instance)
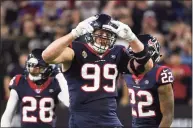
(165, 70)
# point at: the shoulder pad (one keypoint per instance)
(14, 81)
(164, 75)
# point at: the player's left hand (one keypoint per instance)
(123, 31)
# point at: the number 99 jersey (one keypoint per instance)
(144, 97)
(37, 104)
(91, 82)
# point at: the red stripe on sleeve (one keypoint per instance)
(17, 79)
(158, 72)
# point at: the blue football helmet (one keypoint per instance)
(37, 69)
(102, 19)
(152, 44)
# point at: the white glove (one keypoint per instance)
(123, 31)
(83, 27)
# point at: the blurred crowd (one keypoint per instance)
(26, 25)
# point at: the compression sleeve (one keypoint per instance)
(63, 96)
(10, 109)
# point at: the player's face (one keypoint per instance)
(102, 37)
(35, 71)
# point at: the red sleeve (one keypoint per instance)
(14, 82)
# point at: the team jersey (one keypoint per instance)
(144, 98)
(37, 104)
(92, 78)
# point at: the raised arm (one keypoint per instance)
(142, 61)
(58, 51)
(10, 109)
(166, 98)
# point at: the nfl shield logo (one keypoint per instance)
(38, 90)
(146, 81)
(137, 81)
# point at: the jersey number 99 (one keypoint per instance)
(96, 76)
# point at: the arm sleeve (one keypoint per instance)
(10, 109)
(63, 96)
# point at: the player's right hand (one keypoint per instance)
(83, 27)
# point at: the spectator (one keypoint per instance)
(14, 69)
(182, 75)
(137, 15)
(149, 23)
(87, 8)
(28, 33)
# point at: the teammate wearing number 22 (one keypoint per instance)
(37, 94)
(92, 69)
(151, 94)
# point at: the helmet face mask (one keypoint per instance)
(37, 68)
(154, 49)
(101, 40)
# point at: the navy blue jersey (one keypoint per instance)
(144, 98)
(37, 104)
(92, 78)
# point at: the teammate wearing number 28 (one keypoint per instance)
(92, 69)
(37, 94)
(151, 94)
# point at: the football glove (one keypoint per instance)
(55, 69)
(123, 31)
(83, 27)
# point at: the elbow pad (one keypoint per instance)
(142, 57)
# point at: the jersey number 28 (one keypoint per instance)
(42, 109)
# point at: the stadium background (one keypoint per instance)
(26, 25)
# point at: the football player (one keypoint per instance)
(92, 69)
(150, 93)
(37, 94)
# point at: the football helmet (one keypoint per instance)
(152, 44)
(37, 69)
(107, 37)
